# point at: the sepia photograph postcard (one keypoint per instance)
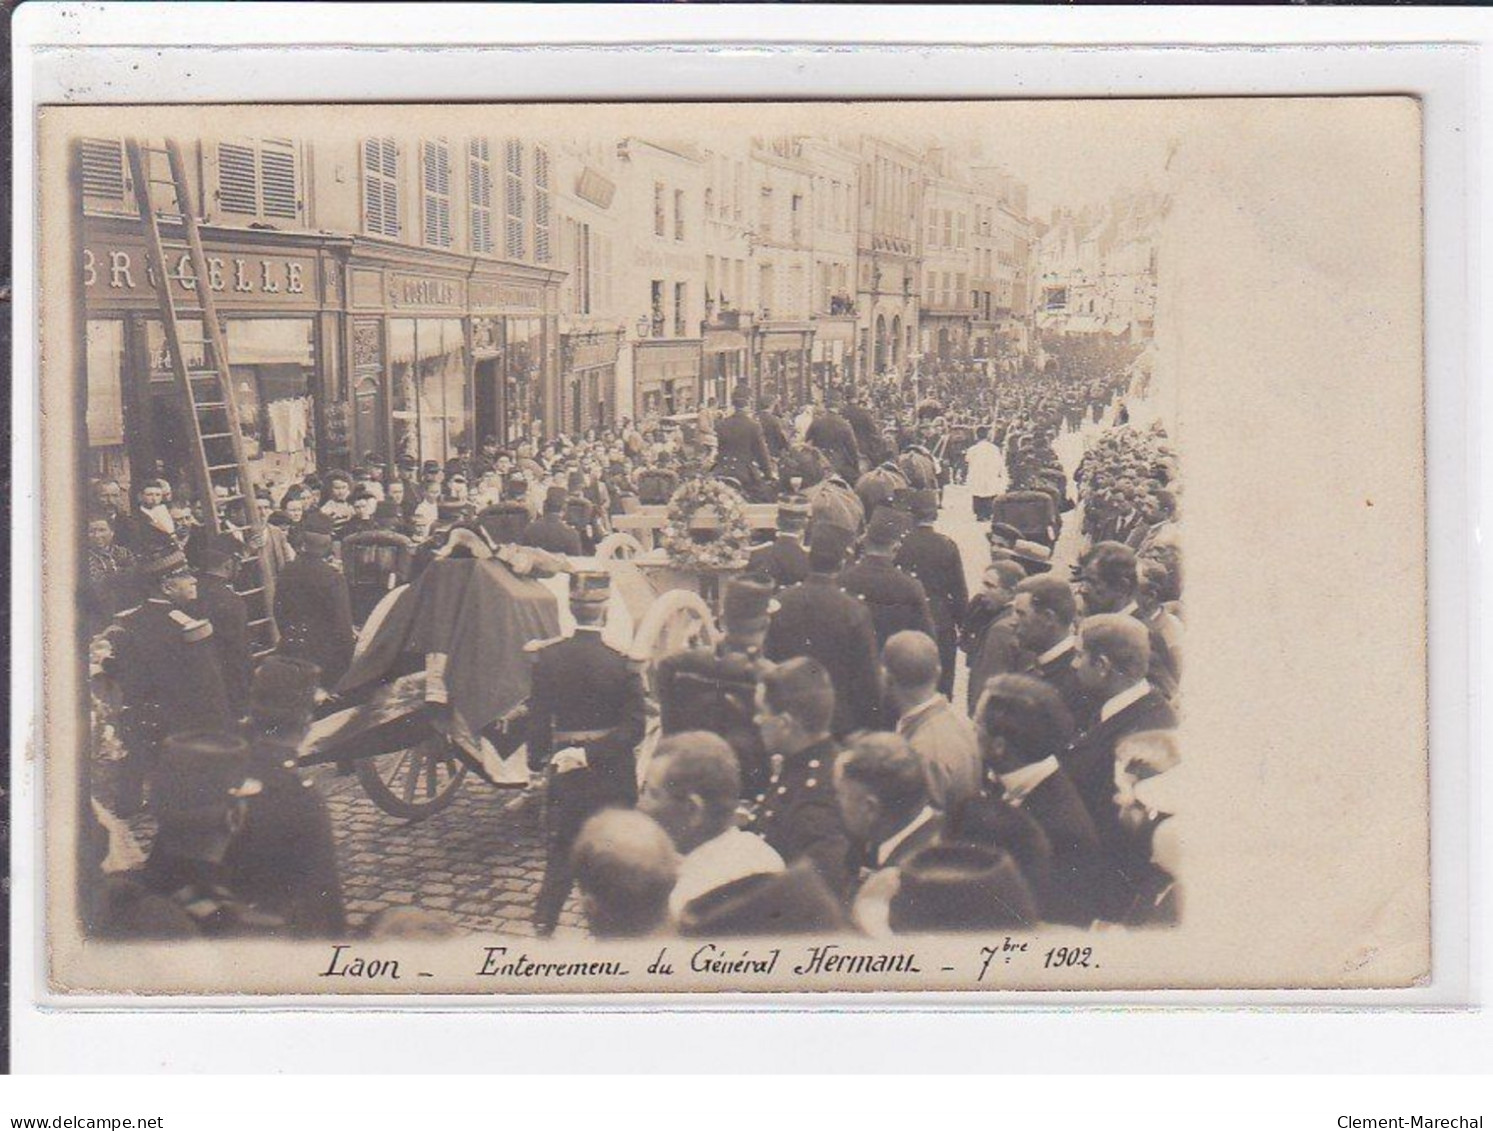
(699, 548)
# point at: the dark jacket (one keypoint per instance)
(784, 560)
(832, 435)
(284, 861)
(314, 614)
(741, 449)
(1090, 758)
(800, 818)
(817, 618)
(895, 598)
(552, 533)
(229, 613)
(1059, 675)
(934, 559)
(169, 674)
(775, 435)
(581, 685)
(715, 690)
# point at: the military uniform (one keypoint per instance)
(742, 452)
(170, 680)
(799, 817)
(933, 559)
(714, 689)
(219, 603)
(313, 610)
(895, 598)
(784, 559)
(817, 618)
(585, 694)
(551, 532)
(284, 860)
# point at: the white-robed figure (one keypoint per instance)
(986, 474)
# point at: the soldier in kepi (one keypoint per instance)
(586, 718)
(167, 666)
(714, 689)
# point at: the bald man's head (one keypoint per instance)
(912, 667)
(626, 866)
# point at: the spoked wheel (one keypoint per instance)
(678, 619)
(416, 782)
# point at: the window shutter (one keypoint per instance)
(238, 180)
(381, 187)
(278, 181)
(103, 169)
(514, 242)
(436, 170)
(541, 205)
(479, 192)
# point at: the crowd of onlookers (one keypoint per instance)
(814, 772)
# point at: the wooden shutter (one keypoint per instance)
(103, 169)
(514, 241)
(541, 205)
(435, 163)
(479, 195)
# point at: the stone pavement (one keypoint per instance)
(478, 862)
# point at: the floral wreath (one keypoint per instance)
(727, 550)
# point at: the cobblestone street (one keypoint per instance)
(478, 862)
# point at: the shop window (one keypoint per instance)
(258, 180)
(435, 195)
(381, 187)
(479, 195)
(428, 376)
(525, 358)
(105, 181)
(105, 405)
(272, 363)
(541, 205)
(515, 239)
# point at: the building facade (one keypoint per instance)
(375, 300)
(661, 226)
(888, 269)
(835, 171)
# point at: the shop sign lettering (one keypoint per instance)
(129, 272)
(422, 290)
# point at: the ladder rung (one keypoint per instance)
(222, 466)
(212, 404)
(217, 435)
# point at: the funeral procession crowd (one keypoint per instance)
(818, 768)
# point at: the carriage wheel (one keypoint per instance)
(678, 619)
(416, 782)
(620, 546)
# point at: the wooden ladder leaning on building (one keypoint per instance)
(220, 466)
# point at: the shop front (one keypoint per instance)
(445, 353)
(726, 350)
(666, 378)
(588, 383)
(832, 356)
(782, 362)
(279, 299)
